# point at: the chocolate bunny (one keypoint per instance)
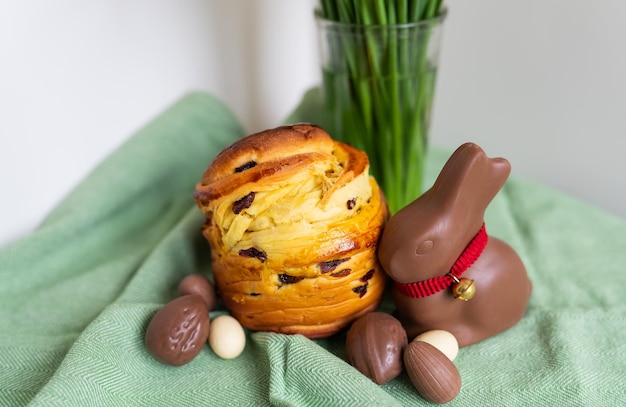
(434, 247)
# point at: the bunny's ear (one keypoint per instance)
(470, 179)
(498, 174)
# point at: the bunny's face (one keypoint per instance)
(416, 245)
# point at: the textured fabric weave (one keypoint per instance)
(76, 296)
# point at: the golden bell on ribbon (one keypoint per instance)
(463, 289)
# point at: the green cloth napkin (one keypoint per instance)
(77, 295)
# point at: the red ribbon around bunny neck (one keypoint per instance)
(433, 285)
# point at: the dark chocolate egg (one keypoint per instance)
(179, 330)
(199, 284)
(375, 344)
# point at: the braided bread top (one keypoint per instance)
(293, 174)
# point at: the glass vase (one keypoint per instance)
(378, 83)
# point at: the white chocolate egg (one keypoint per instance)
(227, 337)
(440, 339)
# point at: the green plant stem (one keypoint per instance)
(384, 95)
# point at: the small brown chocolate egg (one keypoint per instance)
(179, 330)
(227, 337)
(434, 376)
(199, 284)
(374, 346)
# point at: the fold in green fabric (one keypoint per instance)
(77, 295)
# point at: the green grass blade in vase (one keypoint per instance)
(379, 84)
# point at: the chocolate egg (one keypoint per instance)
(374, 346)
(227, 338)
(179, 330)
(199, 284)
(434, 376)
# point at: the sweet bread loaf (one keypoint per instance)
(293, 220)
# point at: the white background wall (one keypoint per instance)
(542, 83)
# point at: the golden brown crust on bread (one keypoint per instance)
(293, 220)
(268, 145)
